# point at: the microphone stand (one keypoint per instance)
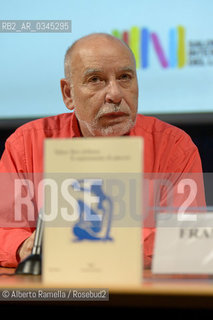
(32, 264)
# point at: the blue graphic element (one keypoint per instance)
(144, 47)
(173, 48)
(94, 224)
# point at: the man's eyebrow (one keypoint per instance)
(127, 69)
(91, 71)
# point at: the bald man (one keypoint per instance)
(101, 89)
(101, 85)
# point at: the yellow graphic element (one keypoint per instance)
(134, 43)
(181, 48)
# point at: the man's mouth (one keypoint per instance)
(114, 115)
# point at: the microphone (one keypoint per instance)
(32, 264)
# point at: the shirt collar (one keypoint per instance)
(76, 132)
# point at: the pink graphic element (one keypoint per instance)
(126, 37)
(159, 50)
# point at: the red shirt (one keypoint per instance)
(167, 149)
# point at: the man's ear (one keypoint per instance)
(67, 94)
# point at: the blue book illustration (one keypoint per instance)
(94, 222)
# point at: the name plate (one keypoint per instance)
(184, 247)
(93, 212)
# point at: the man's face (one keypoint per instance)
(104, 88)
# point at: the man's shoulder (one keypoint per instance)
(152, 125)
(162, 134)
(47, 123)
(44, 126)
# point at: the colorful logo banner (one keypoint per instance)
(141, 41)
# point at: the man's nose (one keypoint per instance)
(114, 93)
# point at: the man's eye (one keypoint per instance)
(125, 76)
(95, 79)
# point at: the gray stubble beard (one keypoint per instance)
(110, 130)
